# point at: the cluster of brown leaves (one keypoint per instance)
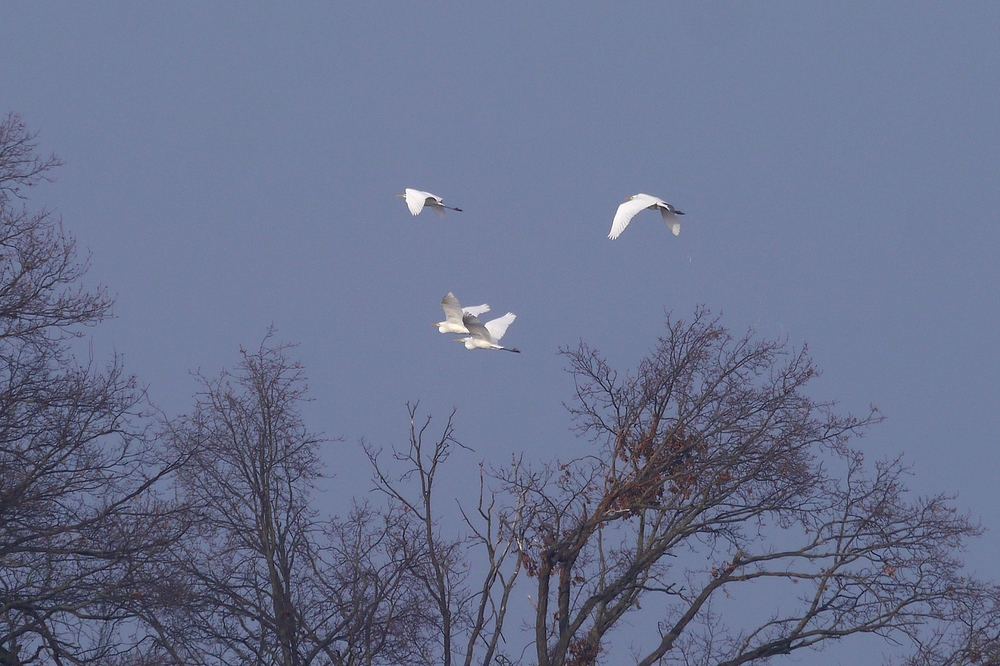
(584, 652)
(655, 466)
(529, 563)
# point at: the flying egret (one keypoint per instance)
(416, 200)
(453, 313)
(638, 202)
(486, 336)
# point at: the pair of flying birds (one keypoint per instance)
(416, 200)
(466, 320)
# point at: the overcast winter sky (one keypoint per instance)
(233, 165)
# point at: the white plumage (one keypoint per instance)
(638, 202)
(487, 336)
(453, 313)
(417, 199)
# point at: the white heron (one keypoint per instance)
(487, 336)
(638, 202)
(416, 200)
(453, 313)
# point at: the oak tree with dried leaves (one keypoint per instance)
(714, 480)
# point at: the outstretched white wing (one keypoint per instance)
(497, 327)
(415, 200)
(627, 211)
(476, 310)
(452, 310)
(439, 209)
(672, 221)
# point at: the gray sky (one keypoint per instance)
(230, 165)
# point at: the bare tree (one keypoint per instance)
(715, 473)
(79, 509)
(262, 580)
(20, 164)
(464, 621)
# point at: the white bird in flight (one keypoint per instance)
(638, 202)
(487, 336)
(416, 200)
(453, 313)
